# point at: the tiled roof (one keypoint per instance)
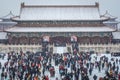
(59, 12)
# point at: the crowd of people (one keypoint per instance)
(71, 66)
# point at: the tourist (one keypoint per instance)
(2, 76)
(56, 78)
(119, 61)
(95, 77)
(119, 76)
(90, 71)
(0, 65)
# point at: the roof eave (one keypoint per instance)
(60, 32)
(22, 20)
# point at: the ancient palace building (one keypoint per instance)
(60, 24)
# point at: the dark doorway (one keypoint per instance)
(59, 40)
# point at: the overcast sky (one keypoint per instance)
(14, 5)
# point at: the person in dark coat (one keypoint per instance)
(86, 77)
(90, 71)
(95, 77)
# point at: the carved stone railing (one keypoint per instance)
(100, 48)
(18, 48)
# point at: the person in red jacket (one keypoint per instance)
(46, 78)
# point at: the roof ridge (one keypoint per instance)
(10, 13)
(73, 5)
(59, 6)
(107, 13)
